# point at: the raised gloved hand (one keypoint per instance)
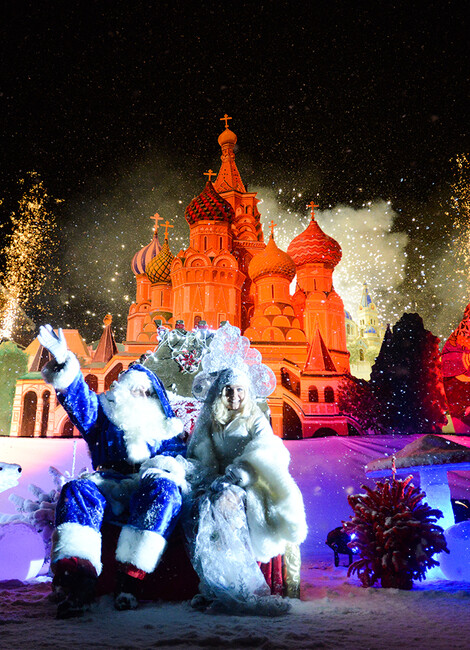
(56, 344)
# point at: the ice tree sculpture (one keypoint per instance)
(395, 532)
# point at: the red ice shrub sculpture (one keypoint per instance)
(395, 532)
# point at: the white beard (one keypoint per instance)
(141, 419)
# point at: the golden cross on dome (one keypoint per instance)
(313, 206)
(272, 225)
(156, 217)
(210, 173)
(226, 118)
(167, 225)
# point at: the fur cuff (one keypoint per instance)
(61, 375)
(142, 548)
(75, 540)
(166, 466)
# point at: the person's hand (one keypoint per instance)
(56, 344)
(219, 484)
(237, 475)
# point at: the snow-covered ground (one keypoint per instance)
(335, 611)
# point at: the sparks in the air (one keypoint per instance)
(26, 252)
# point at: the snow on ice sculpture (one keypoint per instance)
(456, 565)
(177, 358)
(9, 475)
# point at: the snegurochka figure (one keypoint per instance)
(134, 441)
(244, 507)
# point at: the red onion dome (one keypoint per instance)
(209, 206)
(142, 258)
(271, 261)
(158, 269)
(314, 246)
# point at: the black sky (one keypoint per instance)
(350, 101)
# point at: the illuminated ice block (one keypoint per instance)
(21, 551)
(456, 565)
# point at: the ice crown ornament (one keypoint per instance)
(228, 349)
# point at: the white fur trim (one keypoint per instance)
(141, 548)
(167, 467)
(136, 436)
(75, 540)
(61, 376)
(173, 427)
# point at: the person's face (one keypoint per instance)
(233, 396)
(136, 383)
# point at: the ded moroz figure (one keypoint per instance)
(134, 441)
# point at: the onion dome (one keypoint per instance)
(313, 246)
(143, 257)
(158, 269)
(209, 206)
(347, 315)
(271, 261)
(227, 137)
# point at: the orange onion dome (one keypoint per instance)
(271, 261)
(227, 137)
(158, 269)
(313, 246)
(142, 258)
(209, 206)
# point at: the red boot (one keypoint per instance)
(128, 586)
(73, 586)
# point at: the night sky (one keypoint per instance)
(361, 106)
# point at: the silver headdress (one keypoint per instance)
(230, 351)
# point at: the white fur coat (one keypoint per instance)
(274, 504)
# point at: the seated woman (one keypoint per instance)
(244, 506)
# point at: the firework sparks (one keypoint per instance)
(26, 260)
(461, 204)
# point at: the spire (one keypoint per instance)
(366, 300)
(318, 357)
(107, 347)
(228, 177)
(41, 357)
